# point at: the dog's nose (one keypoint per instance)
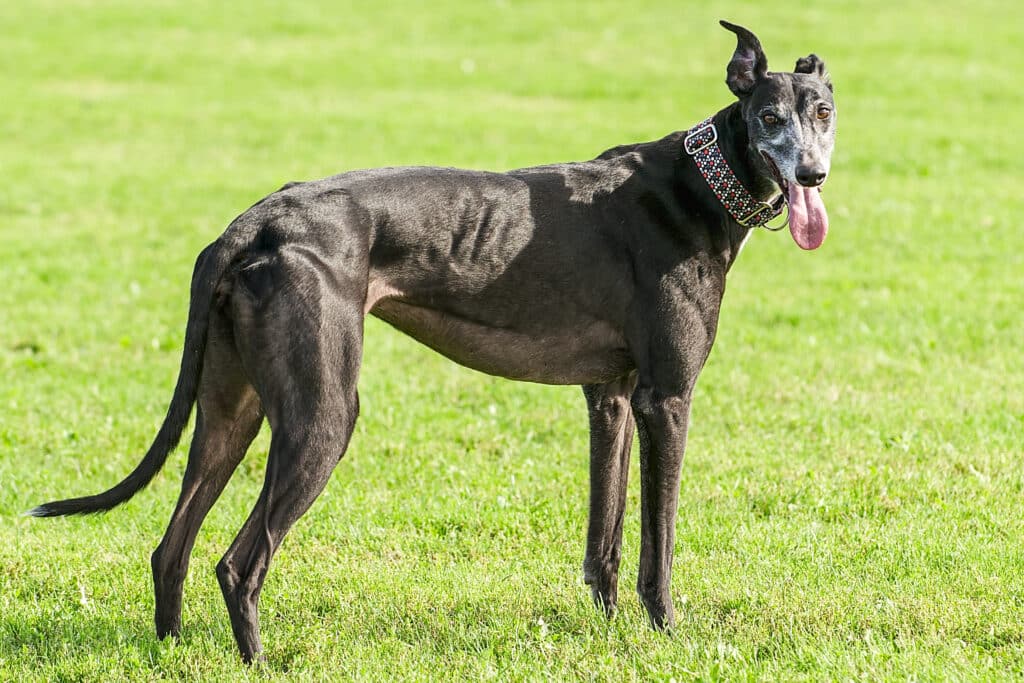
(810, 176)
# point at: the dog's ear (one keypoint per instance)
(812, 64)
(748, 64)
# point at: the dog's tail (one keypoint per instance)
(209, 268)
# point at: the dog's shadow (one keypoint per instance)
(85, 643)
(478, 629)
(41, 641)
(79, 644)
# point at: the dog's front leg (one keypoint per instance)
(611, 439)
(662, 419)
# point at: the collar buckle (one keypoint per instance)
(700, 138)
(754, 219)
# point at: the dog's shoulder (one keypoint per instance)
(618, 151)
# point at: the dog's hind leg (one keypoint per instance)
(611, 439)
(227, 420)
(304, 346)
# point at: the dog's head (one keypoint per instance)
(791, 125)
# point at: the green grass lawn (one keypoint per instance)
(851, 498)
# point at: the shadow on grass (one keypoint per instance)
(44, 640)
(79, 645)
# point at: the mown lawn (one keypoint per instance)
(851, 501)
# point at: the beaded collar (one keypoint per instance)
(701, 143)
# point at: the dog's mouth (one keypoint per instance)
(808, 221)
(773, 168)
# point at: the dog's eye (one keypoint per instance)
(770, 119)
(824, 113)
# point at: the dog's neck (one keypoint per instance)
(748, 168)
(742, 157)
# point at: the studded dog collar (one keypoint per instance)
(701, 143)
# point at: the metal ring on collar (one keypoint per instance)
(785, 205)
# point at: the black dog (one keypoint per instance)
(606, 273)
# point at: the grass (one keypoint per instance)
(851, 500)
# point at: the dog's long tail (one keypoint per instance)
(209, 269)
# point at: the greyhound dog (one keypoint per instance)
(606, 273)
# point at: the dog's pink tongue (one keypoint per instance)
(808, 222)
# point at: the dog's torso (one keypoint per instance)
(531, 274)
